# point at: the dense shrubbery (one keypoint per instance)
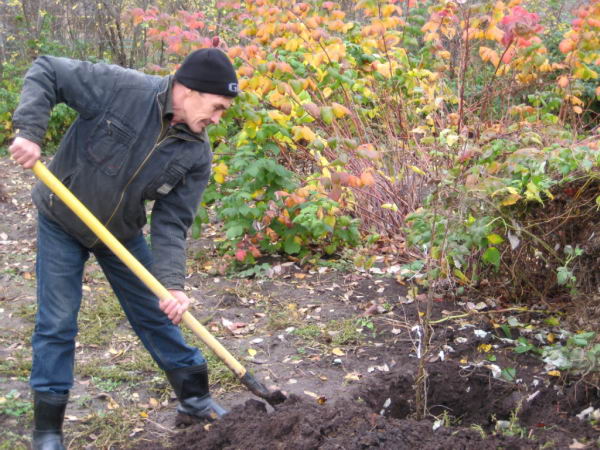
(360, 112)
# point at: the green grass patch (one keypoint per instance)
(13, 405)
(344, 332)
(106, 429)
(282, 319)
(311, 332)
(18, 365)
(105, 374)
(98, 319)
(27, 311)
(13, 441)
(139, 360)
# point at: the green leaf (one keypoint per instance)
(509, 373)
(552, 321)
(235, 231)
(492, 257)
(327, 114)
(290, 246)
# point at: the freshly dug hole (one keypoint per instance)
(472, 397)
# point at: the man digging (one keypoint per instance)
(137, 137)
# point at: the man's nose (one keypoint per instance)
(216, 117)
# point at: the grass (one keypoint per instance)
(98, 319)
(13, 405)
(139, 360)
(337, 332)
(27, 311)
(105, 429)
(311, 332)
(13, 441)
(17, 366)
(105, 374)
(344, 332)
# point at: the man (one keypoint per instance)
(137, 137)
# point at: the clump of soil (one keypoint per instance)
(378, 415)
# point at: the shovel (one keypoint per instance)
(55, 185)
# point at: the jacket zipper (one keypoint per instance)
(135, 174)
(156, 145)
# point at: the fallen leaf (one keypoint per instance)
(554, 373)
(311, 394)
(338, 351)
(252, 352)
(352, 376)
(153, 402)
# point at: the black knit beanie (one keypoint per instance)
(208, 70)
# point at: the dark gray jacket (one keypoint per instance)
(117, 155)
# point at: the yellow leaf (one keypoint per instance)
(329, 220)
(252, 352)
(219, 178)
(511, 200)
(461, 276)
(554, 373)
(494, 239)
(339, 110)
(352, 376)
(338, 351)
(327, 92)
(144, 414)
(484, 348)
(417, 170)
(577, 109)
(493, 33)
(551, 337)
(221, 168)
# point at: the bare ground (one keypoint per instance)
(341, 344)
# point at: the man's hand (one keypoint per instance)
(176, 306)
(25, 152)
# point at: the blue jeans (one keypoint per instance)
(59, 270)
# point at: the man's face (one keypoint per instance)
(199, 109)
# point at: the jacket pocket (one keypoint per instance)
(167, 180)
(108, 145)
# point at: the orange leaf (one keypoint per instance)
(367, 179)
(563, 81)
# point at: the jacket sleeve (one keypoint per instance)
(84, 86)
(171, 218)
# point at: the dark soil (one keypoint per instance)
(481, 413)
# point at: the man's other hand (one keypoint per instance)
(25, 152)
(175, 307)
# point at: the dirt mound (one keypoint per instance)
(476, 411)
(301, 424)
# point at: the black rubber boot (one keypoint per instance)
(191, 387)
(48, 416)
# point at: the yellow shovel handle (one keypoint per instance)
(130, 261)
